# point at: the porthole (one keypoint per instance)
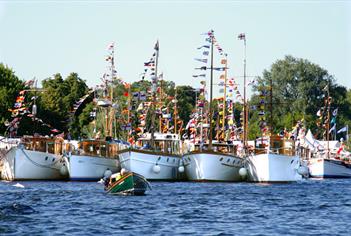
(228, 160)
(46, 158)
(167, 159)
(221, 159)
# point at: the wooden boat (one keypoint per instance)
(33, 158)
(129, 184)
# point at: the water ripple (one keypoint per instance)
(72, 208)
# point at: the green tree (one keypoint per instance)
(56, 102)
(297, 92)
(10, 85)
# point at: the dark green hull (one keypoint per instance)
(130, 184)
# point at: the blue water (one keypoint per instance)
(310, 207)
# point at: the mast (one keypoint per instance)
(160, 99)
(154, 89)
(328, 120)
(271, 105)
(224, 97)
(211, 85)
(175, 111)
(128, 113)
(245, 102)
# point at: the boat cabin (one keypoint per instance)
(166, 143)
(275, 144)
(95, 148)
(43, 144)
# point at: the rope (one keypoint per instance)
(40, 165)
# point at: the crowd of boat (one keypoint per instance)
(197, 155)
(171, 159)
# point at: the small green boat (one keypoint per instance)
(129, 184)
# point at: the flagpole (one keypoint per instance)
(224, 97)
(211, 85)
(328, 119)
(347, 132)
(157, 48)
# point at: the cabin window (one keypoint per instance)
(50, 147)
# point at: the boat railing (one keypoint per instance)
(287, 151)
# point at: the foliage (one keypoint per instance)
(297, 93)
(10, 85)
(56, 102)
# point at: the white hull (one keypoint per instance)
(22, 164)
(273, 168)
(212, 167)
(144, 162)
(90, 168)
(323, 168)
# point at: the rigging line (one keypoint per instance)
(40, 165)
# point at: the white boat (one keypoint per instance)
(276, 163)
(336, 164)
(218, 164)
(34, 158)
(162, 163)
(91, 160)
(329, 168)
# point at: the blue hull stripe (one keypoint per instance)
(331, 176)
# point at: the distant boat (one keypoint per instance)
(34, 158)
(207, 160)
(329, 168)
(277, 161)
(163, 162)
(155, 155)
(90, 160)
(321, 164)
(218, 164)
(324, 159)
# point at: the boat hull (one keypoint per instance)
(90, 168)
(273, 168)
(22, 164)
(145, 162)
(204, 166)
(325, 168)
(131, 184)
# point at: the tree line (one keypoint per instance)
(293, 89)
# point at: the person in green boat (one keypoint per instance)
(115, 177)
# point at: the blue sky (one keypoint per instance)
(40, 38)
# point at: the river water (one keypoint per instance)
(309, 207)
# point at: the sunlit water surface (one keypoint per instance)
(310, 207)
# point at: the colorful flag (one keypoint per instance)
(344, 129)
(157, 46)
(204, 46)
(332, 129)
(201, 60)
(200, 75)
(335, 112)
(319, 112)
(242, 36)
(219, 68)
(110, 46)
